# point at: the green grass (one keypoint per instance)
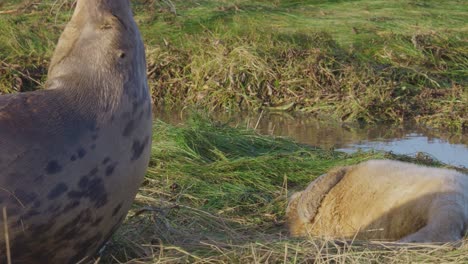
(368, 61)
(217, 194)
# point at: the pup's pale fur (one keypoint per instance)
(385, 200)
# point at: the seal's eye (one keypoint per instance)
(122, 54)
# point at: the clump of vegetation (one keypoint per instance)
(353, 60)
(217, 194)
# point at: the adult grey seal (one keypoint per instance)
(72, 156)
(384, 200)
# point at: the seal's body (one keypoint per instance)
(385, 200)
(73, 156)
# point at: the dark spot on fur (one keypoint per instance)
(81, 152)
(134, 106)
(57, 191)
(91, 187)
(73, 158)
(53, 167)
(117, 209)
(69, 233)
(97, 193)
(39, 230)
(94, 137)
(106, 160)
(54, 208)
(82, 218)
(86, 216)
(110, 169)
(93, 171)
(84, 181)
(129, 128)
(93, 146)
(138, 147)
(97, 222)
(71, 206)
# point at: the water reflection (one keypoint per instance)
(404, 139)
(411, 144)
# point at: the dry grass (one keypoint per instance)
(307, 251)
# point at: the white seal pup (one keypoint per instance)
(383, 200)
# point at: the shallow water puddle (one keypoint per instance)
(408, 139)
(412, 143)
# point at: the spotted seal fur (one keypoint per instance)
(384, 200)
(72, 156)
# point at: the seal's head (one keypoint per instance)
(102, 35)
(101, 42)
